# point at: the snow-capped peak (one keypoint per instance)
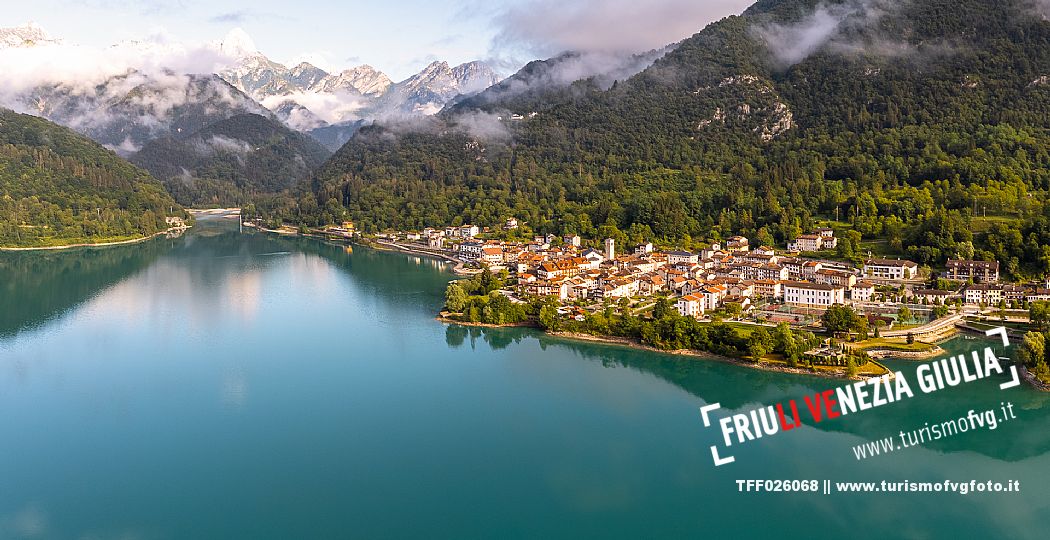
(238, 44)
(27, 35)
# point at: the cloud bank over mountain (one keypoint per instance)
(544, 28)
(49, 61)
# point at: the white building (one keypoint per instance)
(492, 255)
(737, 243)
(813, 295)
(675, 257)
(986, 294)
(863, 291)
(806, 242)
(593, 255)
(692, 305)
(471, 250)
(890, 269)
(610, 249)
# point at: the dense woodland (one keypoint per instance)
(231, 162)
(922, 130)
(58, 187)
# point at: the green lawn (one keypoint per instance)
(981, 225)
(744, 329)
(871, 369)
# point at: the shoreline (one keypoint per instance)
(378, 245)
(631, 344)
(1032, 380)
(442, 317)
(761, 366)
(875, 354)
(100, 244)
(879, 354)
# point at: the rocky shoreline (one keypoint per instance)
(1032, 380)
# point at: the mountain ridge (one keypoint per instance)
(901, 115)
(230, 161)
(59, 187)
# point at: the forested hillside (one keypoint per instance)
(229, 162)
(58, 187)
(921, 125)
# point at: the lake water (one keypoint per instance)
(241, 385)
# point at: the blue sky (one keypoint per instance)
(395, 36)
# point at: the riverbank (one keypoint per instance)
(98, 244)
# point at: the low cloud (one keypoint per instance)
(332, 107)
(229, 144)
(826, 28)
(83, 68)
(232, 17)
(483, 126)
(543, 28)
(563, 70)
(122, 95)
(242, 16)
(1043, 7)
(145, 7)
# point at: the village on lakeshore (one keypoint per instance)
(903, 310)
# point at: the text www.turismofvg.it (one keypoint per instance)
(972, 420)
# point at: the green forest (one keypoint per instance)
(232, 162)
(938, 150)
(58, 187)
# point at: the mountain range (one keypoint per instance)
(29, 35)
(307, 97)
(126, 111)
(212, 139)
(892, 119)
(133, 105)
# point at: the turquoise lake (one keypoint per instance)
(232, 384)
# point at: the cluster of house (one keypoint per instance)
(729, 272)
(437, 238)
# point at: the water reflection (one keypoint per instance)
(739, 389)
(259, 386)
(38, 287)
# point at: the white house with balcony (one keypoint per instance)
(890, 269)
